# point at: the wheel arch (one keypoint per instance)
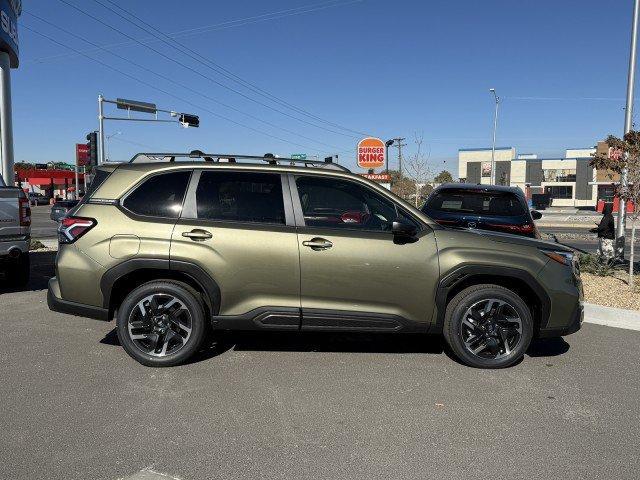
(124, 277)
(517, 280)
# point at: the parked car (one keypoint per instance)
(38, 199)
(61, 208)
(15, 235)
(176, 248)
(496, 208)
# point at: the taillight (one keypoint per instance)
(25, 212)
(72, 228)
(526, 228)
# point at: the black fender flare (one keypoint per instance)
(196, 273)
(465, 271)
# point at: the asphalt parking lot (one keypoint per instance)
(75, 406)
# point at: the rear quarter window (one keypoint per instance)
(476, 203)
(159, 196)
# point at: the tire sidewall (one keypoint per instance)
(453, 325)
(189, 300)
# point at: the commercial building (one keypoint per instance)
(569, 181)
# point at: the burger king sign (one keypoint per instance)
(371, 153)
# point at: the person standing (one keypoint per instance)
(606, 234)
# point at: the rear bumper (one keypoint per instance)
(57, 304)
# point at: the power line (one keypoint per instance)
(171, 80)
(219, 26)
(183, 65)
(216, 67)
(51, 39)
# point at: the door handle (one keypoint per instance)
(197, 234)
(318, 244)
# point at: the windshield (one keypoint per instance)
(475, 202)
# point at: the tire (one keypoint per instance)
(19, 271)
(487, 326)
(151, 338)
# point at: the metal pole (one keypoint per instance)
(628, 124)
(492, 178)
(100, 130)
(6, 127)
(77, 191)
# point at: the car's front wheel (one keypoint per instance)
(488, 326)
(161, 323)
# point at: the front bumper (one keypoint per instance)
(57, 304)
(577, 318)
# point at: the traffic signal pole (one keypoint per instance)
(100, 130)
(184, 119)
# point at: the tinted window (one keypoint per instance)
(475, 202)
(159, 196)
(342, 204)
(240, 196)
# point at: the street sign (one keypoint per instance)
(82, 154)
(371, 153)
(299, 156)
(135, 105)
(377, 177)
(10, 10)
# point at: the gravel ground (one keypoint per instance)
(611, 291)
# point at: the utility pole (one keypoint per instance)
(628, 125)
(492, 179)
(399, 144)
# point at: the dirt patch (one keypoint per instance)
(611, 291)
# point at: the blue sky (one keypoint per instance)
(379, 67)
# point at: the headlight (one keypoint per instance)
(565, 258)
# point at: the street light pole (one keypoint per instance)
(492, 179)
(628, 124)
(387, 144)
(106, 144)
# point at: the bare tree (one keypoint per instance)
(418, 167)
(626, 155)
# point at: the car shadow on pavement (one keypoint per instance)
(309, 342)
(351, 342)
(42, 269)
(548, 347)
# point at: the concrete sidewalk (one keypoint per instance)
(612, 317)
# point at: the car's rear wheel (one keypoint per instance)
(161, 323)
(488, 326)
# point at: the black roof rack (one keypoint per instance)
(268, 158)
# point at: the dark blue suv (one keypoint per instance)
(496, 208)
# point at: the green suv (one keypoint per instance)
(175, 247)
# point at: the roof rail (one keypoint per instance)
(269, 158)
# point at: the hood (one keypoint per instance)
(520, 240)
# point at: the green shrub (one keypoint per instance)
(595, 265)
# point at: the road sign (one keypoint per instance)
(377, 177)
(371, 153)
(82, 154)
(299, 156)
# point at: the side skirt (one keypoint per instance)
(281, 318)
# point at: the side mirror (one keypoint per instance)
(536, 215)
(402, 228)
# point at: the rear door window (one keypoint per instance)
(159, 196)
(240, 197)
(470, 202)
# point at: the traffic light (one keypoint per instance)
(188, 120)
(93, 148)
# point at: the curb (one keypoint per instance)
(612, 317)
